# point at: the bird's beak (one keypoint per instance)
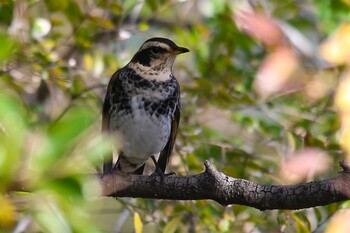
(180, 50)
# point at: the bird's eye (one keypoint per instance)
(156, 50)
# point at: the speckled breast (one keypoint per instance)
(141, 114)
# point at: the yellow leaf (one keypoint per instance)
(290, 142)
(143, 26)
(88, 62)
(336, 49)
(7, 213)
(339, 222)
(104, 22)
(137, 223)
(342, 99)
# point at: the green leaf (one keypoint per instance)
(345, 204)
(7, 48)
(172, 226)
(302, 221)
(13, 132)
(71, 125)
(68, 186)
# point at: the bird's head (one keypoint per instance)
(157, 54)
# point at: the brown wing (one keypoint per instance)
(107, 158)
(166, 152)
(114, 91)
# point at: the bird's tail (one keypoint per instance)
(107, 167)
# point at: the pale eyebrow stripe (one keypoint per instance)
(156, 44)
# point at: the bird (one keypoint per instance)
(142, 108)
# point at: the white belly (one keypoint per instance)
(142, 135)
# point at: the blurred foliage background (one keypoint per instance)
(265, 97)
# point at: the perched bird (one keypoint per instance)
(142, 107)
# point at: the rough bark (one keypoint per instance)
(214, 185)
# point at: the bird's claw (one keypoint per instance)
(162, 175)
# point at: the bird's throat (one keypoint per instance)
(159, 74)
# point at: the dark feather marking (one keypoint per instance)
(107, 159)
(124, 84)
(166, 152)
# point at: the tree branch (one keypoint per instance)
(214, 185)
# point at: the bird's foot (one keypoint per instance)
(162, 175)
(170, 174)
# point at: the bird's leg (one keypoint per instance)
(159, 171)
